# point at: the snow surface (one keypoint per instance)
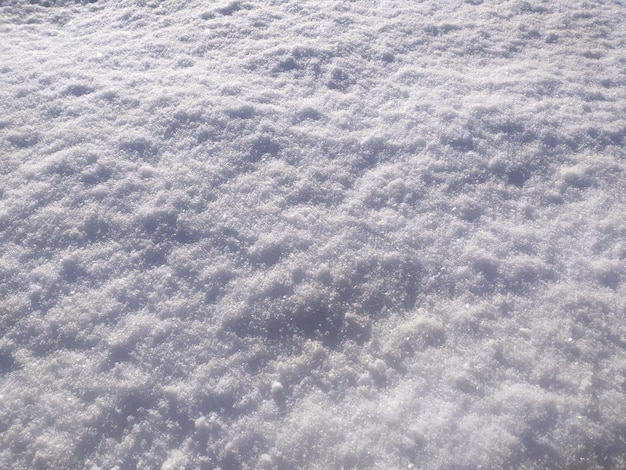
(312, 234)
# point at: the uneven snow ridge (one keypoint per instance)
(312, 234)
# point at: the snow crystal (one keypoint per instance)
(314, 234)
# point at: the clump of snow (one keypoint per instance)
(244, 234)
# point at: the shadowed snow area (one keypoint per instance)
(312, 234)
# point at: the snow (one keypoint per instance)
(313, 234)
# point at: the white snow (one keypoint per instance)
(314, 234)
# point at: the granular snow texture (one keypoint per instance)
(312, 234)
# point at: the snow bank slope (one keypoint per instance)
(314, 234)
